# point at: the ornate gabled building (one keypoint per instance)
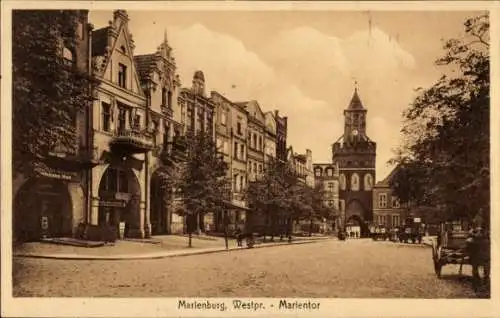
(255, 139)
(326, 177)
(197, 109)
(270, 137)
(302, 165)
(281, 136)
(355, 155)
(121, 134)
(161, 86)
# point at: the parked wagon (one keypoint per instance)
(455, 245)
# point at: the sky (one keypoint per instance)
(305, 64)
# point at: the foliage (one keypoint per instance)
(47, 93)
(202, 181)
(445, 161)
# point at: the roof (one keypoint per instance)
(99, 41)
(355, 101)
(386, 182)
(143, 64)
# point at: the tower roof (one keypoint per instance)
(355, 101)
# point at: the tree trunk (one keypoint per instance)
(310, 225)
(190, 235)
(225, 230)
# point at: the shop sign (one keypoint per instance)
(112, 204)
(55, 174)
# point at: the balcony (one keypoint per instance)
(167, 111)
(133, 141)
(175, 151)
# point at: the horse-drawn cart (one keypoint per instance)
(455, 245)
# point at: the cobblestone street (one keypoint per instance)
(357, 268)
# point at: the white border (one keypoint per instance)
(128, 307)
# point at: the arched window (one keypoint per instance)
(355, 182)
(68, 56)
(368, 182)
(342, 181)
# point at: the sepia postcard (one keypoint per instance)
(249, 159)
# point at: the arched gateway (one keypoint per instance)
(120, 196)
(355, 216)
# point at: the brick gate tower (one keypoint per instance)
(355, 155)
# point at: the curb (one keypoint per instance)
(154, 256)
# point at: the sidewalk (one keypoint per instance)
(157, 248)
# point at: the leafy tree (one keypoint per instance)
(202, 181)
(272, 194)
(445, 159)
(47, 92)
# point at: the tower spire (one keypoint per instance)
(165, 39)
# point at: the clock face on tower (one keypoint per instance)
(355, 132)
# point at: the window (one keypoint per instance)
(169, 99)
(235, 150)
(342, 181)
(235, 183)
(242, 182)
(354, 182)
(368, 182)
(329, 172)
(395, 203)
(219, 144)
(68, 56)
(330, 186)
(226, 146)
(238, 129)
(255, 141)
(121, 119)
(395, 220)
(250, 166)
(260, 142)
(165, 135)
(223, 117)
(255, 167)
(122, 75)
(137, 121)
(106, 117)
(242, 152)
(260, 168)
(164, 96)
(317, 172)
(382, 200)
(330, 203)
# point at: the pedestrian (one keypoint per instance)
(239, 236)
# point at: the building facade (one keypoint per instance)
(387, 210)
(121, 135)
(326, 178)
(270, 137)
(256, 134)
(52, 201)
(281, 136)
(355, 155)
(161, 86)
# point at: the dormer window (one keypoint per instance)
(122, 49)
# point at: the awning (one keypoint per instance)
(231, 205)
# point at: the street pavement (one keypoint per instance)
(329, 268)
